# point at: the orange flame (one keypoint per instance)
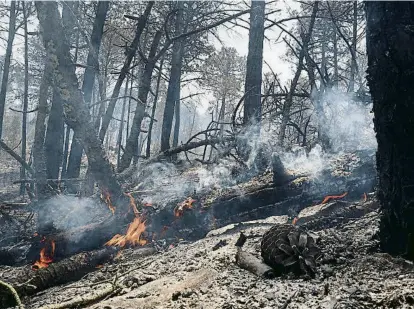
(45, 259)
(365, 197)
(333, 197)
(107, 199)
(132, 204)
(132, 236)
(187, 204)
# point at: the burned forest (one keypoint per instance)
(206, 154)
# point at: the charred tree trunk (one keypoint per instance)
(92, 65)
(121, 125)
(39, 155)
(174, 82)
(25, 98)
(7, 59)
(252, 88)
(76, 112)
(154, 107)
(143, 90)
(127, 63)
(54, 137)
(390, 48)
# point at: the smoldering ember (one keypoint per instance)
(207, 154)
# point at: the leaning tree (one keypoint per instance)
(390, 47)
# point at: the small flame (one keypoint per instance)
(187, 204)
(365, 197)
(333, 197)
(45, 259)
(132, 204)
(106, 197)
(132, 236)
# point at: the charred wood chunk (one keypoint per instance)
(280, 176)
(287, 248)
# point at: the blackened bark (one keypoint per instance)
(39, 155)
(254, 65)
(92, 65)
(54, 137)
(76, 112)
(132, 49)
(121, 125)
(353, 46)
(143, 90)
(390, 48)
(174, 82)
(7, 59)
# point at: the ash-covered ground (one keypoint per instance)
(351, 274)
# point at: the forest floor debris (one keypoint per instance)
(351, 274)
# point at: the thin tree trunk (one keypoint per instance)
(76, 112)
(127, 63)
(390, 49)
(25, 98)
(174, 82)
(289, 98)
(131, 145)
(335, 64)
(221, 115)
(353, 46)
(129, 104)
(121, 125)
(7, 60)
(154, 108)
(92, 64)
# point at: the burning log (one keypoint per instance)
(32, 281)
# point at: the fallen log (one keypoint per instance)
(28, 282)
(251, 263)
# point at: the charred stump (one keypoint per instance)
(390, 48)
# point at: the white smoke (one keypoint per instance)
(349, 124)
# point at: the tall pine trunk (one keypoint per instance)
(144, 87)
(390, 48)
(92, 65)
(7, 60)
(174, 82)
(253, 85)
